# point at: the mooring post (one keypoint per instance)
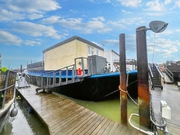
(122, 87)
(142, 72)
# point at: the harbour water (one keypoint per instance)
(30, 124)
(24, 123)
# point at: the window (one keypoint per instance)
(90, 50)
(97, 52)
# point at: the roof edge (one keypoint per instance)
(71, 39)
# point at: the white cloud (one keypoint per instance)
(155, 6)
(166, 2)
(9, 39)
(163, 47)
(32, 43)
(35, 16)
(177, 3)
(100, 18)
(127, 21)
(154, 14)
(35, 30)
(31, 5)
(51, 20)
(130, 3)
(8, 15)
(104, 30)
(95, 24)
(126, 12)
(111, 41)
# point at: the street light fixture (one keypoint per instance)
(158, 26)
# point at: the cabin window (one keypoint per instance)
(90, 51)
(97, 52)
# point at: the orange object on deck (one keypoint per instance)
(79, 71)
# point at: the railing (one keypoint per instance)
(169, 74)
(160, 73)
(7, 87)
(156, 76)
(67, 75)
(151, 74)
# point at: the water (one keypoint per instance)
(24, 123)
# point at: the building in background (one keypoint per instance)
(63, 54)
(112, 60)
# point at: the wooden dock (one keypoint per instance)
(64, 116)
(170, 94)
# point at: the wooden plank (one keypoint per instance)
(85, 119)
(104, 128)
(87, 128)
(69, 120)
(79, 126)
(54, 123)
(111, 132)
(106, 132)
(99, 126)
(120, 129)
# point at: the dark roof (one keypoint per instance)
(71, 39)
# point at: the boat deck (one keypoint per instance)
(170, 94)
(64, 116)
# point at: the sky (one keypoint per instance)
(27, 27)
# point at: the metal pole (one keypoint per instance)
(123, 95)
(143, 86)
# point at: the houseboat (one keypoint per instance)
(81, 69)
(7, 95)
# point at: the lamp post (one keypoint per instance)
(142, 68)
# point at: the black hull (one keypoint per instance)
(94, 89)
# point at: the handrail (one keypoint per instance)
(150, 71)
(170, 74)
(62, 76)
(169, 71)
(7, 82)
(52, 74)
(139, 129)
(7, 87)
(159, 71)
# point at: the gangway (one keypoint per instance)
(66, 75)
(156, 76)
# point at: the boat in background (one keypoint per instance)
(7, 95)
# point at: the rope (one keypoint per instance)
(126, 91)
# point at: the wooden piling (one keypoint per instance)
(143, 86)
(123, 95)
